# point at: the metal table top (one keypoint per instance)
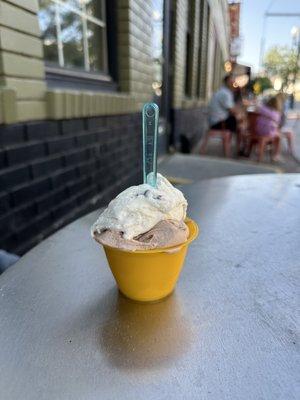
(229, 331)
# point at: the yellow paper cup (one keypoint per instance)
(149, 275)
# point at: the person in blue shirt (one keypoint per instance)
(221, 110)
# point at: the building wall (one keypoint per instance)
(21, 62)
(65, 152)
(192, 107)
(24, 93)
(55, 171)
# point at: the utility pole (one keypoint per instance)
(263, 42)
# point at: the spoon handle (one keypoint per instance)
(150, 128)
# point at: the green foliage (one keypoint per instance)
(260, 84)
(281, 61)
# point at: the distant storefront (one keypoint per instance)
(74, 76)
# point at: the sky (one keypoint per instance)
(277, 30)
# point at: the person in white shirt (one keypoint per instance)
(221, 107)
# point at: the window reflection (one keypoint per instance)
(94, 8)
(74, 3)
(74, 33)
(95, 43)
(48, 30)
(72, 38)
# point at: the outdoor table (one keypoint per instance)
(229, 331)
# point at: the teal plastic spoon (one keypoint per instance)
(150, 128)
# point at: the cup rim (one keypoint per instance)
(170, 249)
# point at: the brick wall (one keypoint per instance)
(51, 172)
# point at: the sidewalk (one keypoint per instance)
(182, 168)
(288, 164)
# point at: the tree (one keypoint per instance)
(259, 84)
(281, 61)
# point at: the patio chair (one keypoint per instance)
(224, 134)
(288, 134)
(261, 143)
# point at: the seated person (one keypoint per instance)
(285, 130)
(221, 108)
(268, 122)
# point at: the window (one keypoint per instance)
(74, 35)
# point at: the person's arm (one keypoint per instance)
(233, 110)
(226, 101)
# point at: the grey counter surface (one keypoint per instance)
(229, 331)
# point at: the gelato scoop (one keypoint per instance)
(144, 217)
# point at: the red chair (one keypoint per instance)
(261, 143)
(223, 134)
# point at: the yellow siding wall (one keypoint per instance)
(21, 60)
(22, 70)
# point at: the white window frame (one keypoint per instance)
(85, 18)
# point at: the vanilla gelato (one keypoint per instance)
(129, 218)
